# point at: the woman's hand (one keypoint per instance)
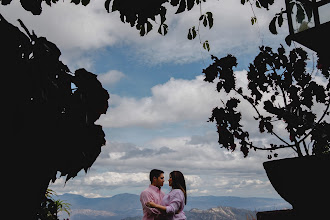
(151, 204)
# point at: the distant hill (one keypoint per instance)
(219, 213)
(128, 205)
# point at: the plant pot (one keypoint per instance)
(302, 181)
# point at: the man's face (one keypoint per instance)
(159, 182)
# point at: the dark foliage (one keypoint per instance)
(293, 92)
(49, 125)
(139, 13)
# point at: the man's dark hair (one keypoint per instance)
(155, 173)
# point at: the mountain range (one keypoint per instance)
(128, 207)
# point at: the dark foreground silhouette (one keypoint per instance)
(49, 126)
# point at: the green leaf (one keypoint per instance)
(242, 2)
(201, 17)
(210, 19)
(272, 27)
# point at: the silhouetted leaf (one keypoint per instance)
(253, 20)
(5, 2)
(182, 7)
(175, 2)
(258, 4)
(205, 22)
(107, 5)
(190, 4)
(210, 19)
(34, 6)
(300, 14)
(272, 26)
(206, 45)
(280, 20)
(192, 33)
(85, 2)
(308, 9)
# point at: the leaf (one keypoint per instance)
(75, 1)
(163, 28)
(85, 2)
(242, 2)
(309, 10)
(107, 5)
(205, 22)
(201, 17)
(5, 2)
(258, 4)
(174, 2)
(300, 16)
(194, 33)
(253, 20)
(189, 35)
(142, 30)
(182, 7)
(288, 40)
(210, 19)
(190, 4)
(280, 20)
(149, 27)
(206, 45)
(272, 27)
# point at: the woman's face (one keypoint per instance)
(170, 181)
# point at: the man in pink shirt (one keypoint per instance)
(153, 193)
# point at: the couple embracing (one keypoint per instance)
(158, 206)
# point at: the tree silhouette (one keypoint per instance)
(292, 91)
(49, 126)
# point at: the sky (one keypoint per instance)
(159, 103)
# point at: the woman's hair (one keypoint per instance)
(178, 182)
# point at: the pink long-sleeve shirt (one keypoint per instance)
(174, 202)
(151, 194)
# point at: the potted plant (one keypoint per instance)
(283, 93)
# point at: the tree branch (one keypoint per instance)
(272, 148)
(324, 113)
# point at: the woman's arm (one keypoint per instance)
(154, 205)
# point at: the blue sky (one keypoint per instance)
(159, 103)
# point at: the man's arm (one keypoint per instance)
(147, 197)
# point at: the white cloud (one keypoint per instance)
(176, 100)
(111, 77)
(116, 179)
